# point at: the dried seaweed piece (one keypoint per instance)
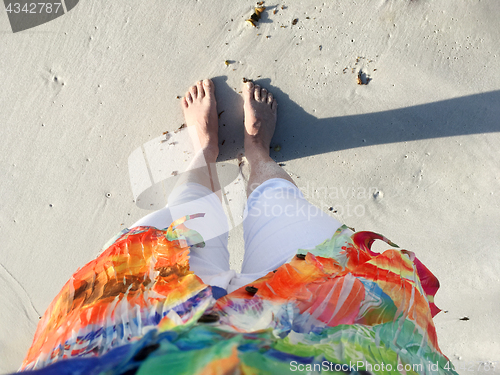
(251, 22)
(277, 148)
(301, 256)
(226, 62)
(260, 3)
(275, 11)
(245, 80)
(165, 132)
(175, 173)
(178, 97)
(222, 144)
(464, 319)
(220, 113)
(294, 22)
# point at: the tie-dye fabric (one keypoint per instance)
(340, 308)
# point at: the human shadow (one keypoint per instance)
(301, 134)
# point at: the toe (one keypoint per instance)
(248, 91)
(199, 88)
(189, 98)
(269, 98)
(194, 92)
(263, 95)
(208, 87)
(184, 102)
(274, 104)
(256, 92)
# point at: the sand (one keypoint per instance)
(413, 154)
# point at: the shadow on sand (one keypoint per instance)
(300, 134)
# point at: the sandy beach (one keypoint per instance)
(90, 117)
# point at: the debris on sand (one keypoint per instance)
(259, 10)
(360, 82)
(167, 136)
(255, 17)
(180, 128)
(362, 78)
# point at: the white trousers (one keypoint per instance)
(277, 221)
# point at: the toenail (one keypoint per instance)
(206, 82)
(249, 85)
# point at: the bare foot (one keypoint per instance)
(200, 110)
(260, 119)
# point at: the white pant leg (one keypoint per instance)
(279, 221)
(210, 263)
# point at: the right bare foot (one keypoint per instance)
(200, 111)
(260, 119)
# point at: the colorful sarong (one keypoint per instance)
(340, 308)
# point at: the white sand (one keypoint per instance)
(423, 133)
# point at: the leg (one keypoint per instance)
(278, 219)
(200, 111)
(198, 190)
(260, 121)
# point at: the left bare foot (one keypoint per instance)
(200, 110)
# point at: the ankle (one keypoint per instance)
(210, 153)
(255, 151)
(255, 142)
